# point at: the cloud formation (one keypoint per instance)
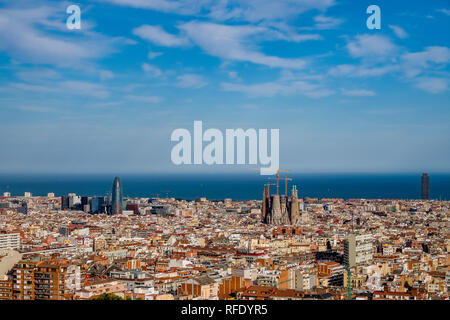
(231, 43)
(159, 36)
(27, 43)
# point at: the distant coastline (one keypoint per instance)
(234, 186)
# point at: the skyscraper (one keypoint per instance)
(425, 187)
(117, 198)
(64, 202)
(358, 249)
(96, 204)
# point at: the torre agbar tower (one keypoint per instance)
(117, 197)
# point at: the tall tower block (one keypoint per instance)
(117, 197)
(425, 187)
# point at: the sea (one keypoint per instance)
(234, 186)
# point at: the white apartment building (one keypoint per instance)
(9, 241)
(358, 249)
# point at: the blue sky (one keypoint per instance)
(107, 97)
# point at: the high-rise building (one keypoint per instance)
(40, 280)
(425, 187)
(96, 204)
(117, 197)
(358, 249)
(74, 201)
(56, 281)
(85, 204)
(23, 280)
(84, 201)
(64, 202)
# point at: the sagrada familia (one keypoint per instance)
(280, 210)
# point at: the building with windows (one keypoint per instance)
(330, 273)
(40, 280)
(96, 204)
(202, 287)
(23, 280)
(56, 281)
(9, 241)
(425, 186)
(117, 197)
(358, 250)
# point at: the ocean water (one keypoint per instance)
(238, 187)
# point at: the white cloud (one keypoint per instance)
(264, 10)
(417, 62)
(151, 70)
(286, 34)
(172, 6)
(191, 81)
(444, 11)
(238, 10)
(323, 22)
(68, 87)
(84, 88)
(234, 75)
(159, 36)
(356, 71)
(145, 99)
(31, 108)
(25, 43)
(30, 87)
(153, 55)
(358, 93)
(371, 47)
(270, 89)
(416, 68)
(399, 32)
(37, 74)
(432, 85)
(106, 75)
(231, 42)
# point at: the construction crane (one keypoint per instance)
(268, 186)
(278, 180)
(285, 185)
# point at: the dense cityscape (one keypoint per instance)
(280, 247)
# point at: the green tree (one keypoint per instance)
(107, 296)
